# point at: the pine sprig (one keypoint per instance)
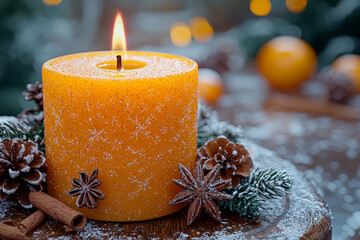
(209, 126)
(250, 196)
(23, 130)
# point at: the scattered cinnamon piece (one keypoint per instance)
(10, 229)
(73, 219)
(286, 102)
(33, 221)
(11, 233)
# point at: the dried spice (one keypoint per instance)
(72, 219)
(201, 192)
(22, 170)
(234, 160)
(85, 188)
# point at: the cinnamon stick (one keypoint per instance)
(11, 233)
(286, 102)
(73, 219)
(32, 221)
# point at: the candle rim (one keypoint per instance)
(54, 66)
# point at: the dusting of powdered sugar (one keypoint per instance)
(4, 208)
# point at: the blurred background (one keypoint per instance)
(35, 31)
(236, 41)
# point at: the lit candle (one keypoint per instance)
(135, 124)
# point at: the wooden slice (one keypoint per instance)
(300, 215)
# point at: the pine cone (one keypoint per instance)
(34, 93)
(31, 116)
(224, 57)
(22, 169)
(218, 61)
(234, 160)
(339, 87)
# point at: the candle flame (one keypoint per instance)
(119, 39)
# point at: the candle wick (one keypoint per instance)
(118, 62)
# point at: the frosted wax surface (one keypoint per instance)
(86, 65)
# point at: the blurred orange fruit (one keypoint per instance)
(286, 62)
(260, 7)
(52, 2)
(296, 6)
(349, 64)
(210, 85)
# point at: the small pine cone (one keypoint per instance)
(234, 160)
(225, 57)
(34, 92)
(339, 87)
(218, 61)
(22, 169)
(30, 116)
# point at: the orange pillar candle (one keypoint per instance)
(135, 125)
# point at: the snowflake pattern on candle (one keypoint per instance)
(142, 186)
(130, 128)
(141, 128)
(95, 135)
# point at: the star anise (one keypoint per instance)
(234, 160)
(200, 191)
(85, 188)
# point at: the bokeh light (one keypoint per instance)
(201, 29)
(180, 34)
(296, 6)
(260, 7)
(52, 2)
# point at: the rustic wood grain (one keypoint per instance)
(288, 102)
